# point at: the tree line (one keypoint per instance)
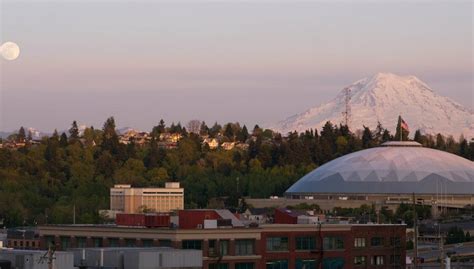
(43, 182)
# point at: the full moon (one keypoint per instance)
(10, 51)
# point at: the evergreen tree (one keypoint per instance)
(243, 135)
(203, 130)
(228, 132)
(151, 158)
(21, 135)
(89, 136)
(418, 137)
(73, 133)
(110, 140)
(440, 143)
(386, 136)
(55, 135)
(367, 138)
(215, 130)
(379, 130)
(257, 130)
(63, 140)
(159, 129)
(464, 148)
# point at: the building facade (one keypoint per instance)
(270, 246)
(23, 238)
(125, 199)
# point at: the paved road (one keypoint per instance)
(433, 252)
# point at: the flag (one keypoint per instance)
(404, 125)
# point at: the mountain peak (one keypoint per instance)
(382, 98)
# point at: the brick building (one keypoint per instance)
(23, 238)
(271, 246)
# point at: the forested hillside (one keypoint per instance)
(42, 181)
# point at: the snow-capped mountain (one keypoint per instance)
(382, 98)
(125, 130)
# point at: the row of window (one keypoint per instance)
(328, 263)
(243, 247)
(241, 265)
(329, 243)
(81, 242)
(376, 241)
(304, 243)
(19, 243)
(377, 260)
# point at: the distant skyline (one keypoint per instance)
(248, 61)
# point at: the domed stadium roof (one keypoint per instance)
(394, 167)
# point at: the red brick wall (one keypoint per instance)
(189, 219)
(283, 217)
(349, 251)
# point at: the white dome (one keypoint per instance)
(395, 167)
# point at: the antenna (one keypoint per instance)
(347, 111)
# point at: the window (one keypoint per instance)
(97, 242)
(277, 244)
(359, 242)
(359, 260)
(81, 242)
(395, 241)
(218, 266)
(130, 243)
(164, 243)
(305, 243)
(65, 242)
(378, 260)
(333, 263)
(333, 243)
(395, 259)
(148, 243)
(192, 244)
(244, 247)
(212, 247)
(245, 265)
(114, 242)
(305, 264)
(224, 247)
(277, 264)
(377, 241)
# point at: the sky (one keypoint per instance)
(226, 61)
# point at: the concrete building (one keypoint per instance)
(35, 259)
(94, 258)
(125, 199)
(137, 258)
(387, 176)
(269, 246)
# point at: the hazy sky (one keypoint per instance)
(253, 62)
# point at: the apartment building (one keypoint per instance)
(125, 199)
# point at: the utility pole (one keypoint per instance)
(50, 258)
(347, 109)
(415, 226)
